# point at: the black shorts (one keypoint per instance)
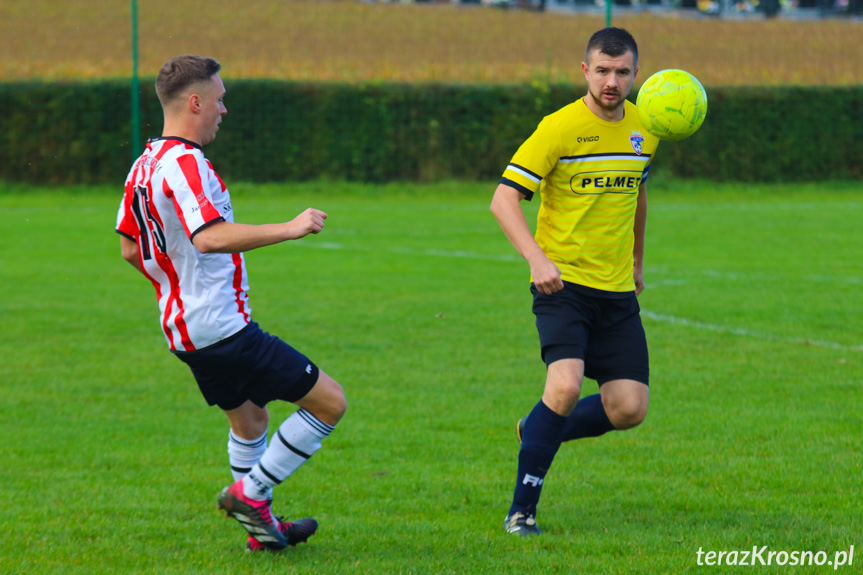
(250, 365)
(602, 328)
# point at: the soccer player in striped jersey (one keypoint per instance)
(177, 228)
(589, 161)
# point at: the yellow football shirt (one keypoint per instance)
(588, 172)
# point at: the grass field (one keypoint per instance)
(415, 302)
(357, 41)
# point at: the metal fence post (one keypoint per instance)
(135, 87)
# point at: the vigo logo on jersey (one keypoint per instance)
(605, 182)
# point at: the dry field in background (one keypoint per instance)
(353, 41)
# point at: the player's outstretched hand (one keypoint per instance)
(310, 221)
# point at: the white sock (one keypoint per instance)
(243, 454)
(297, 439)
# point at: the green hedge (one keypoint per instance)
(275, 131)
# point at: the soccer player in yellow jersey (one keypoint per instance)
(590, 161)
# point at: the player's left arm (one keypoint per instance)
(638, 231)
(231, 238)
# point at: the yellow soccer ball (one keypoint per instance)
(672, 104)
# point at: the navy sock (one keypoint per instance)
(588, 419)
(540, 441)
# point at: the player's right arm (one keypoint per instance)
(129, 249)
(128, 230)
(534, 159)
(231, 238)
(506, 207)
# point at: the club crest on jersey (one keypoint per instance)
(636, 140)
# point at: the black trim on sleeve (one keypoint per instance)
(206, 225)
(525, 170)
(528, 195)
(125, 235)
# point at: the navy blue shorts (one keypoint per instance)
(250, 365)
(602, 328)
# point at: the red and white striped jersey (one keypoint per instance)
(172, 193)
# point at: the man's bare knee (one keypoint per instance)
(563, 385)
(326, 400)
(339, 403)
(625, 404)
(627, 415)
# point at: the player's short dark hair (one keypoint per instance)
(612, 41)
(181, 72)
